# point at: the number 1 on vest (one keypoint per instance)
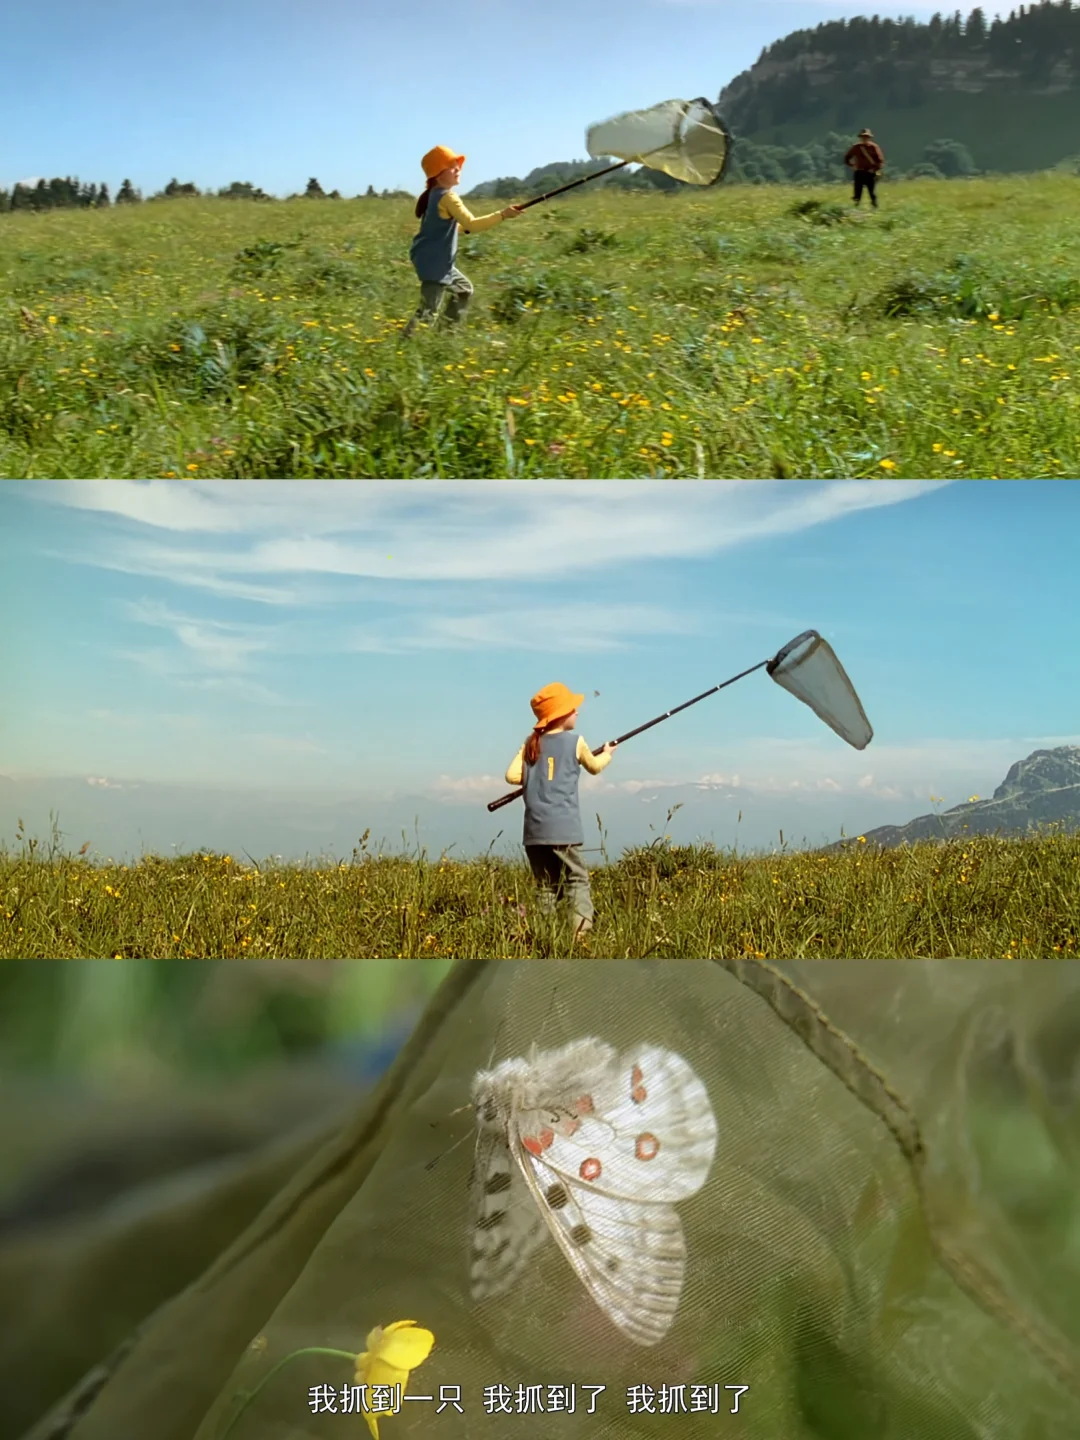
(551, 767)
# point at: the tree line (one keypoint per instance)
(70, 194)
(1047, 29)
(817, 163)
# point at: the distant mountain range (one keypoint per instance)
(1044, 789)
(124, 819)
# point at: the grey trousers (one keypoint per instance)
(431, 298)
(560, 871)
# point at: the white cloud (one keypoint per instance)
(441, 530)
(609, 627)
(469, 787)
(912, 773)
(178, 669)
(211, 643)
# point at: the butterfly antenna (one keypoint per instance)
(435, 1123)
(430, 1165)
(547, 1015)
(494, 1044)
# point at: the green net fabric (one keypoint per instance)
(886, 1246)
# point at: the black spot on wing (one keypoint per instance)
(556, 1196)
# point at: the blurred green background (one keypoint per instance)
(150, 1110)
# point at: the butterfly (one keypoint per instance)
(595, 1148)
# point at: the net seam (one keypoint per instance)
(801, 1013)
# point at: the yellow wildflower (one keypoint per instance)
(390, 1355)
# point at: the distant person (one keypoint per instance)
(867, 159)
(549, 765)
(440, 212)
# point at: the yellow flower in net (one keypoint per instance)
(390, 1355)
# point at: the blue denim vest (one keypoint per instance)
(435, 247)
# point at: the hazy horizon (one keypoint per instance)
(277, 666)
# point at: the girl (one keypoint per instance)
(548, 766)
(440, 212)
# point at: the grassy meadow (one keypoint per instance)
(979, 897)
(738, 332)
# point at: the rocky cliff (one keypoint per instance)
(1043, 789)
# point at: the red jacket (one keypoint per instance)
(865, 155)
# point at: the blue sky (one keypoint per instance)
(275, 91)
(383, 639)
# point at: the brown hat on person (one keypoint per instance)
(866, 134)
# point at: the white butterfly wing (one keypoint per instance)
(606, 1191)
(629, 1256)
(652, 1138)
(507, 1226)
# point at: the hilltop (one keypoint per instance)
(948, 97)
(1042, 790)
(1006, 89)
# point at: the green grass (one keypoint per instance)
(720, 333)
(979, 897)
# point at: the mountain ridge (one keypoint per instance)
(1042, 789)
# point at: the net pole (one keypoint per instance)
(574, 184)
(621, 739)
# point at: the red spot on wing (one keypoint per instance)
(638, 1093)
(646, 1147)
(571, 1127)
(537, 1144)
(584, 1105)
(590, 1169)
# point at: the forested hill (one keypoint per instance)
(1007, 88)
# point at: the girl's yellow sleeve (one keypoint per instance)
(452, 207)
(592, 763)
(515, 771)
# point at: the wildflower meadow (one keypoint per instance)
(981, 897)
(745, 331)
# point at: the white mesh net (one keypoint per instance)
(686, 139)
(807, 668)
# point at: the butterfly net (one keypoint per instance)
(881, 1220)
(686, 139)
(807, 668)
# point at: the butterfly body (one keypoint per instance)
(594, 1149)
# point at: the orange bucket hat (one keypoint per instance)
(553, 703)
(439, 159)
